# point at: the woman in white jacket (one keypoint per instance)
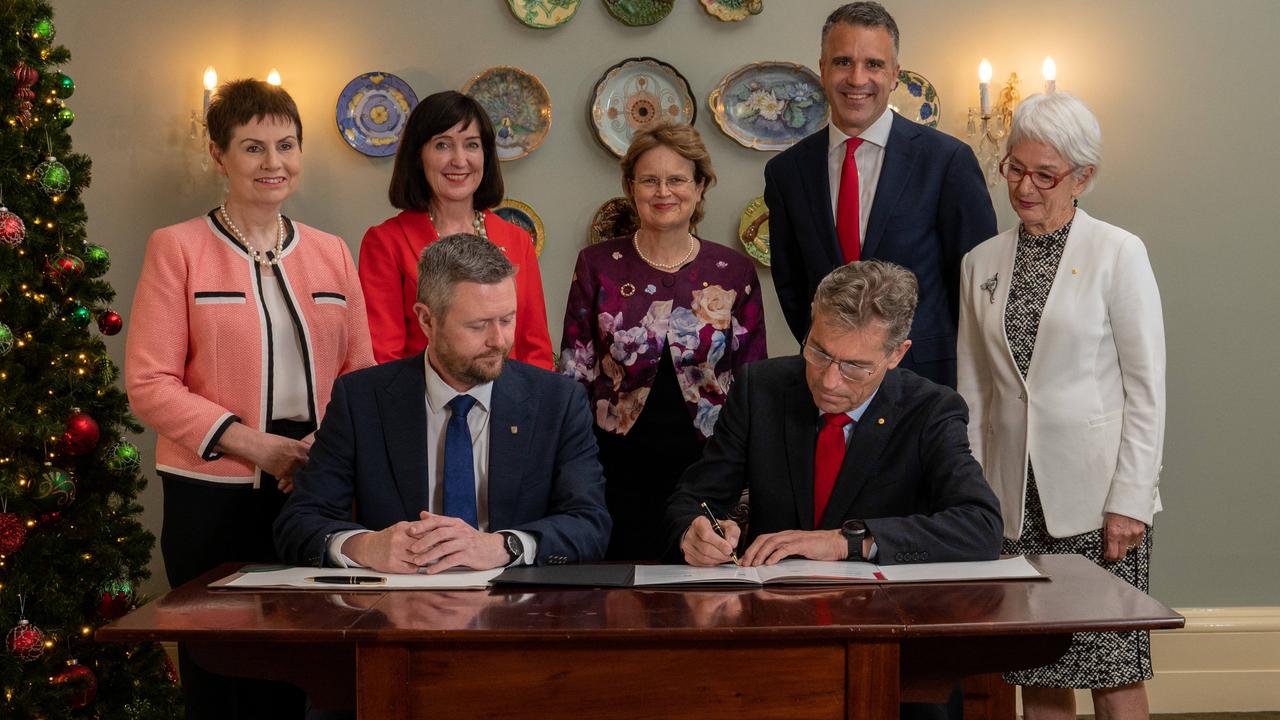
(1062, 362)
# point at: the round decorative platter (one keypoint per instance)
(523, 217)
(769, 105)
(639, 12)
(916, 99)
(753, 230)
(733, 10)
(518, 105)
(634, 93)
(544, 14)
(615, 218)
(372, 111)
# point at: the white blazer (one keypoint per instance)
(1090, 415)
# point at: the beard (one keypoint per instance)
(477, 369)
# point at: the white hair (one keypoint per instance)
(1063, 122)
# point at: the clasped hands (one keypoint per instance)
(438, 542)
(702, 547)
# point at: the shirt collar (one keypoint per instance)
(877, 134)
(856, 413)
(439, 393)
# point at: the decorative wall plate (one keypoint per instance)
(518, 106)
(639, 12)
(543, 13)
(634, 93)
(916, 99)
(615, 218)
(523, 217)
(372, 111)
(769, 105)
(733, 10)
(753, 230)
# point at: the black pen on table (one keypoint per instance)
(715, 525)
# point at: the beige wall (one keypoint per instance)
(1185, 91)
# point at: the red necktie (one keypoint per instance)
(847, 221)
(827, 461)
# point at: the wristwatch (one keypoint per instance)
(854, 531)
(515, 548)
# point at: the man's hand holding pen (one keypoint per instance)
(702, 547)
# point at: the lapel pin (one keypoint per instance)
(1075, 271)
(514, 430)
(990, 286)
(880, 421)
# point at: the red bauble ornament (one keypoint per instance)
(12, 230)
(12, 533)
(25, 641)
(81, 435)
(109, 322)
(63, 267)
(25, 75)
(80, 681)
(115, 598)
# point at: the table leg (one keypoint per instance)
(871, 680)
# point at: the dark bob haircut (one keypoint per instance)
(240, 102)
(434, 115)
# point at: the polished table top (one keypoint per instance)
(1078, 596)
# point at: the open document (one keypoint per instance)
(817, 572)
(348, 579)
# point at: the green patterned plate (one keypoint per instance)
(753, 230)
(733, 10)
(544, 13)
(639, 12)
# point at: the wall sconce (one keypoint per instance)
(199, 127)
(1050, 71)
(273, 77)
(989, 125)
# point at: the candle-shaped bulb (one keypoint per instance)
(984, 86)
(210, 78)
(273, 77)
(1050, 70)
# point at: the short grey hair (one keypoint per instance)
(862, 14)
(871, 292)
(1063, 122)
(458, 258)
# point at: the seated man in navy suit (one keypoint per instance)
(458, 457)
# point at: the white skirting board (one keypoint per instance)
(1226, 659)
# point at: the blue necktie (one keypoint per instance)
(459, 468)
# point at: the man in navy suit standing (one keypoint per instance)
(457, 457)
(875, 185)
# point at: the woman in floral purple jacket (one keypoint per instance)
(655, 326)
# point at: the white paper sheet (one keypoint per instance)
(304, 578)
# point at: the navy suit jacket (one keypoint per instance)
(368, 467)
(908, 472)
(931, 207)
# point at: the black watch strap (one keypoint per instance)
(514, 546)
(855, 531)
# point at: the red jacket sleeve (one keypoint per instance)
(533, 340)
(382, 278)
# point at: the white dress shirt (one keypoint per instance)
(870, 159)
(438, 395)
(288, 370)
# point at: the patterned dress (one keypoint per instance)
(1095, 659)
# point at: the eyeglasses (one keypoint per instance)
(849, 370)
(1043, 180)
(675, 183)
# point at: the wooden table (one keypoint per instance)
(777, 652)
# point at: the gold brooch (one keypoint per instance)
(627, 290)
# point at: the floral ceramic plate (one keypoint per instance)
(615, 218)
(733, 10)
(916, 99)
(769, 105)
(635, 93)
(753, 230)
(639, 12)
(543, 13)
(372, 111)
(518, 105)
(523, 217)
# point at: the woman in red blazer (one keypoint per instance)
(445, 179)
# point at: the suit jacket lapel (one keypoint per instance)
(511, 428)
(801, 423)
(402, 406)
(816, 180)
(862, 458)
(899, 164)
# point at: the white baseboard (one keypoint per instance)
(1225, 660)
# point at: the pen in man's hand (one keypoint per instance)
(715, 525)
(348, 580)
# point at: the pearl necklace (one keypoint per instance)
(635, 242)
(477, 223)
(264, 259)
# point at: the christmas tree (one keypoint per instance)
(72, 550)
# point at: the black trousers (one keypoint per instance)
(205, 525)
